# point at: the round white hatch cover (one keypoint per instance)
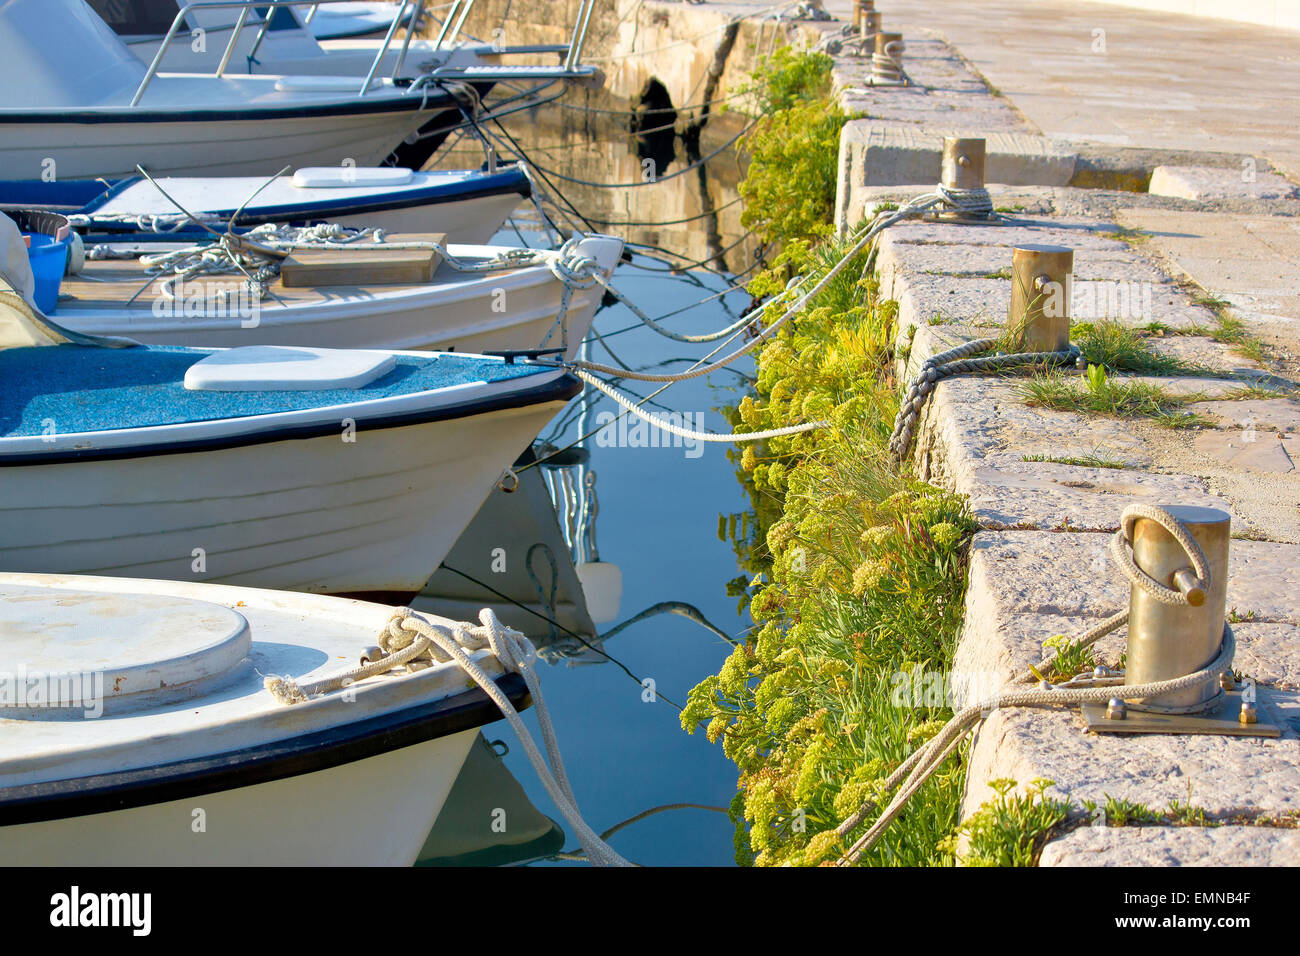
(53, 640)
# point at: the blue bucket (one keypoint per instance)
(49, 259)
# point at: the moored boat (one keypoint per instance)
(468, 206)
(480, 298)
(109, 113)
(311, 469)
(145, 734)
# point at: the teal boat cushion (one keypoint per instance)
(73, 388)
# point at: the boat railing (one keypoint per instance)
(452, 23)
(264, 9)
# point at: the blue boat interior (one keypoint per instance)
(65, 195)
(83, 389)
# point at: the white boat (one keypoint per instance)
(142, 734)
(79, 105)
(338, 21)
(467, 206)
(330, 38)
(279, 38)
(511, 306)
(315, 470)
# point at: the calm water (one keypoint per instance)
(658, 512)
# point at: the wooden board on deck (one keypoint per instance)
(362, 264)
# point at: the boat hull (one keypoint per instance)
(426, 318)
(514, 309)
(325, 514)
(371, 812)
(227, 143)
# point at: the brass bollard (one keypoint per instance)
(1164, 640)
(860, 9)
(1042, 283)
(963, 163)
(887, 63)
(870, 23)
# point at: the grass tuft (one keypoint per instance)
(1090, 460)
(1118, 348)
(1010, 829)
(1098, 394)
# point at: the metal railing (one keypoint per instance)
(245, 7)
(457, 12)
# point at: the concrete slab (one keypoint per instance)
(1175, 846)
(1252, 262)
(1110, 75)
(1248, 450)
(1205, 183)
(1280, 415)
(898, 156)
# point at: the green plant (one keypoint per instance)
(1071, 658)
(1010, 829)
(1230, 330)
(1102, 395)
(789, 188)
(1118, 348)
(1123, 813)
(1090, 460)
(855, 578)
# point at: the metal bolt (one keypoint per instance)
(1226, 681)
(1248, 713)
(961, 165)
(1116, 709)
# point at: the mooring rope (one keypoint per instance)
(957, 361)
(688, 433)
(882, 221)
(910, 775)
(411, 640)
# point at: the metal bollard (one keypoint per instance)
(1166, 640)
(1042, 283)
(860, 9)
(870, 23)
(887, 62)
(963, 163)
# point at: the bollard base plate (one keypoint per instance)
(1221, 720)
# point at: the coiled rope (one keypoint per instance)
(411, 640)
(887, 67)
(910, 775)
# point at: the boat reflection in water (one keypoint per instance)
(515, 559)
(488, 820)
(530, 554)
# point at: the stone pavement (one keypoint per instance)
(1040, 568)
(1101, 74)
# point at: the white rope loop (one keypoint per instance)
(1121, 551)
(688, 433)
